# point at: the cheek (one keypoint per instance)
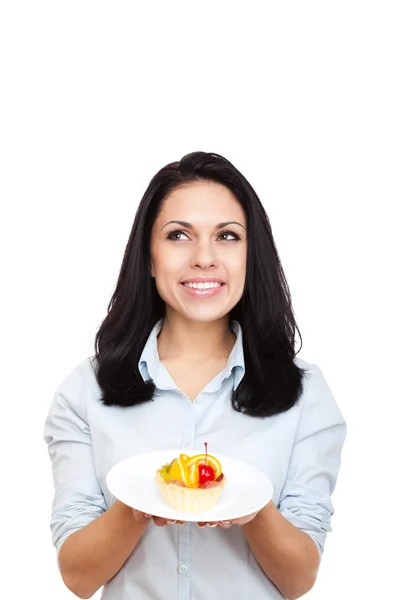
(168, 267)
(239, 277)
(237, 266)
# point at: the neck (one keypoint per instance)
(181, 339)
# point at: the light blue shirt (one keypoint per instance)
(299, 450)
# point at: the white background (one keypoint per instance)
(303, 97)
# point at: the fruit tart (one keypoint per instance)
(191, 483)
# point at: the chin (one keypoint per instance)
(205, 318)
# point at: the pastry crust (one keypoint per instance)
(187, 499)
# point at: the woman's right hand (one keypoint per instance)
(143, 518)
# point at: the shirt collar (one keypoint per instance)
(151, 367)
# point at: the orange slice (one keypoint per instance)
(194, 475)
(179, 471)
(193, 463)
(174, 470)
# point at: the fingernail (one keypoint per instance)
(171, 522)
(147, 516)
(208, 525)
(182, 524)
(226, 522)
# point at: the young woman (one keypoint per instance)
(197, 345)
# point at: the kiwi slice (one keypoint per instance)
(164, 471)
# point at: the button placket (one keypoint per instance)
(189, 433)
(184, 535)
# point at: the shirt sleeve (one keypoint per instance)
(305, 499)
(78, 498)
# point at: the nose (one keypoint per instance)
(204, 254)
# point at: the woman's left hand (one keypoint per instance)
(226, 524)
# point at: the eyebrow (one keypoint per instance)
(189, 226)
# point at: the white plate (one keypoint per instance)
(132, 481)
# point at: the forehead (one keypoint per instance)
(201, 202)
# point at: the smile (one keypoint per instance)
(203, 286)
(203, 290)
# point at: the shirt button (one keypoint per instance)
(183, 569)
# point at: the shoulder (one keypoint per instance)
(80, 382)
(303, 364)
(82, 373)
(317, 401)
(312, 374)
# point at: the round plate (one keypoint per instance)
(132, 481)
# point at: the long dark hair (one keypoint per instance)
(272, 382)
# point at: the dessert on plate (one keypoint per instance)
(191, 483)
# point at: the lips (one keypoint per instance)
(203, 293)
(203, 280)
(215, 284)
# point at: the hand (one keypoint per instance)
(143, 519)
(226, 524)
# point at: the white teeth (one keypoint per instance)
(203, 286)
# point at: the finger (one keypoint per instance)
(159, 521)
(225, 524)
(141, 517)
(201, 525)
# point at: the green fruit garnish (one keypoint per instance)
(164, 472)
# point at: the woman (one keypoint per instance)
(197, 345)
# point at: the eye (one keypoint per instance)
(171, 236)
(236, 237)
(178, 232)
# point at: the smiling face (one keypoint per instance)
(209, 245)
